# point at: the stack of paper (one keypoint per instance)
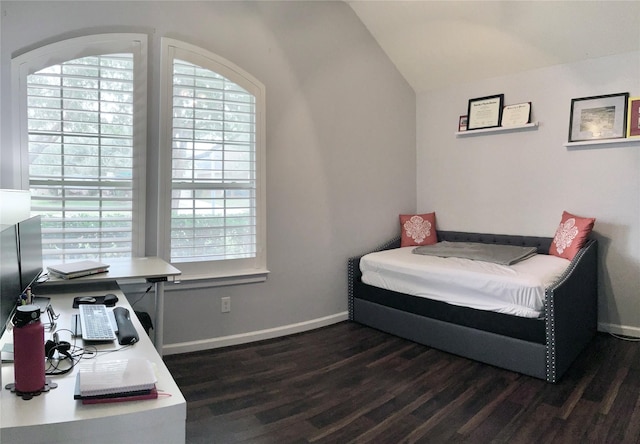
(116, 380)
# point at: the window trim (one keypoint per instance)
(231, 270)
(70, 49)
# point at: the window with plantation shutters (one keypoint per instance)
(83, 144)
(80, 108)
(216, 210)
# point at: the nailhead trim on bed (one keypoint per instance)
(355, 261)
(350, 278)
(550, 330)
(550, 322)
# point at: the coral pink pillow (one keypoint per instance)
(418, 229)
(571, 235)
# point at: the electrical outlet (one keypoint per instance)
(225, 305)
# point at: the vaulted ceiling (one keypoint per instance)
(436, 44)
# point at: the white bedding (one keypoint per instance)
(517, 289)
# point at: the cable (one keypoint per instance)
(143, 295)
(92, 350)
(70, 354)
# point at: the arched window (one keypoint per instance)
(81, 128)
(212, 210)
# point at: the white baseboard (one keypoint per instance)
(623, 330)
(260, 335)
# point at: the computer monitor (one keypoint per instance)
(30, 251)
(10, 285)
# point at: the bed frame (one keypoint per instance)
(569, 324)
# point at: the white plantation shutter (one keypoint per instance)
(213, 198)
(217, 205)
(83, 157)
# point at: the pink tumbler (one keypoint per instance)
(28, 350)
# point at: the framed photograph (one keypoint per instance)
(598, 117)
(462, 123)
(516, 115)
(633, 117)
(485, 112)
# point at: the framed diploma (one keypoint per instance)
(598, 117)
(633, 117)
(516, 115)
(485, 112)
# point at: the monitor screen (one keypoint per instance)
(30, 250)
(10, 286)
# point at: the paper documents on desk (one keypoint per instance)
(116, 377)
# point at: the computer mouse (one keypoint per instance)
(110, 299)
(86, 300)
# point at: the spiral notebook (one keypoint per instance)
(114, 397)
(113, 377)
(150, 394)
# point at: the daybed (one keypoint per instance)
(541, 347)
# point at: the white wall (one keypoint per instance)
(340, 145)
(519, 183)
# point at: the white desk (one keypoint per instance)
(152, 269)
(55, 417)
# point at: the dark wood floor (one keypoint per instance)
(350, 383)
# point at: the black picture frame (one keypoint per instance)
(485, 112)
(598, 117)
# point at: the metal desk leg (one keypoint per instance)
(158, 330)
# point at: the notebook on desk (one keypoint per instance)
(115, 378)
(73, 270)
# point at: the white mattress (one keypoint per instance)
(517, 289)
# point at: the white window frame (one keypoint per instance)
(28, 63)
(229, 270)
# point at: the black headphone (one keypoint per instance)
(63, 348)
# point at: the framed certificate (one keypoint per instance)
(516, 115)
(485, 112)
(598, 117)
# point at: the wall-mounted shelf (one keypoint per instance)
(602, 142)
(500, 129)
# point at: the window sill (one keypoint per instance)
(194, 281)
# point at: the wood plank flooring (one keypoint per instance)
(350, 383)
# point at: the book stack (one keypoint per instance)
(119, 380)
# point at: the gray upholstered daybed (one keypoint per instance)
(541, 347)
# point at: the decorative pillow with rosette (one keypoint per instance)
(418, 229)
(571, 235)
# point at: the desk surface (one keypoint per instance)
(55, 416)
(130, 268)
(134, 268)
